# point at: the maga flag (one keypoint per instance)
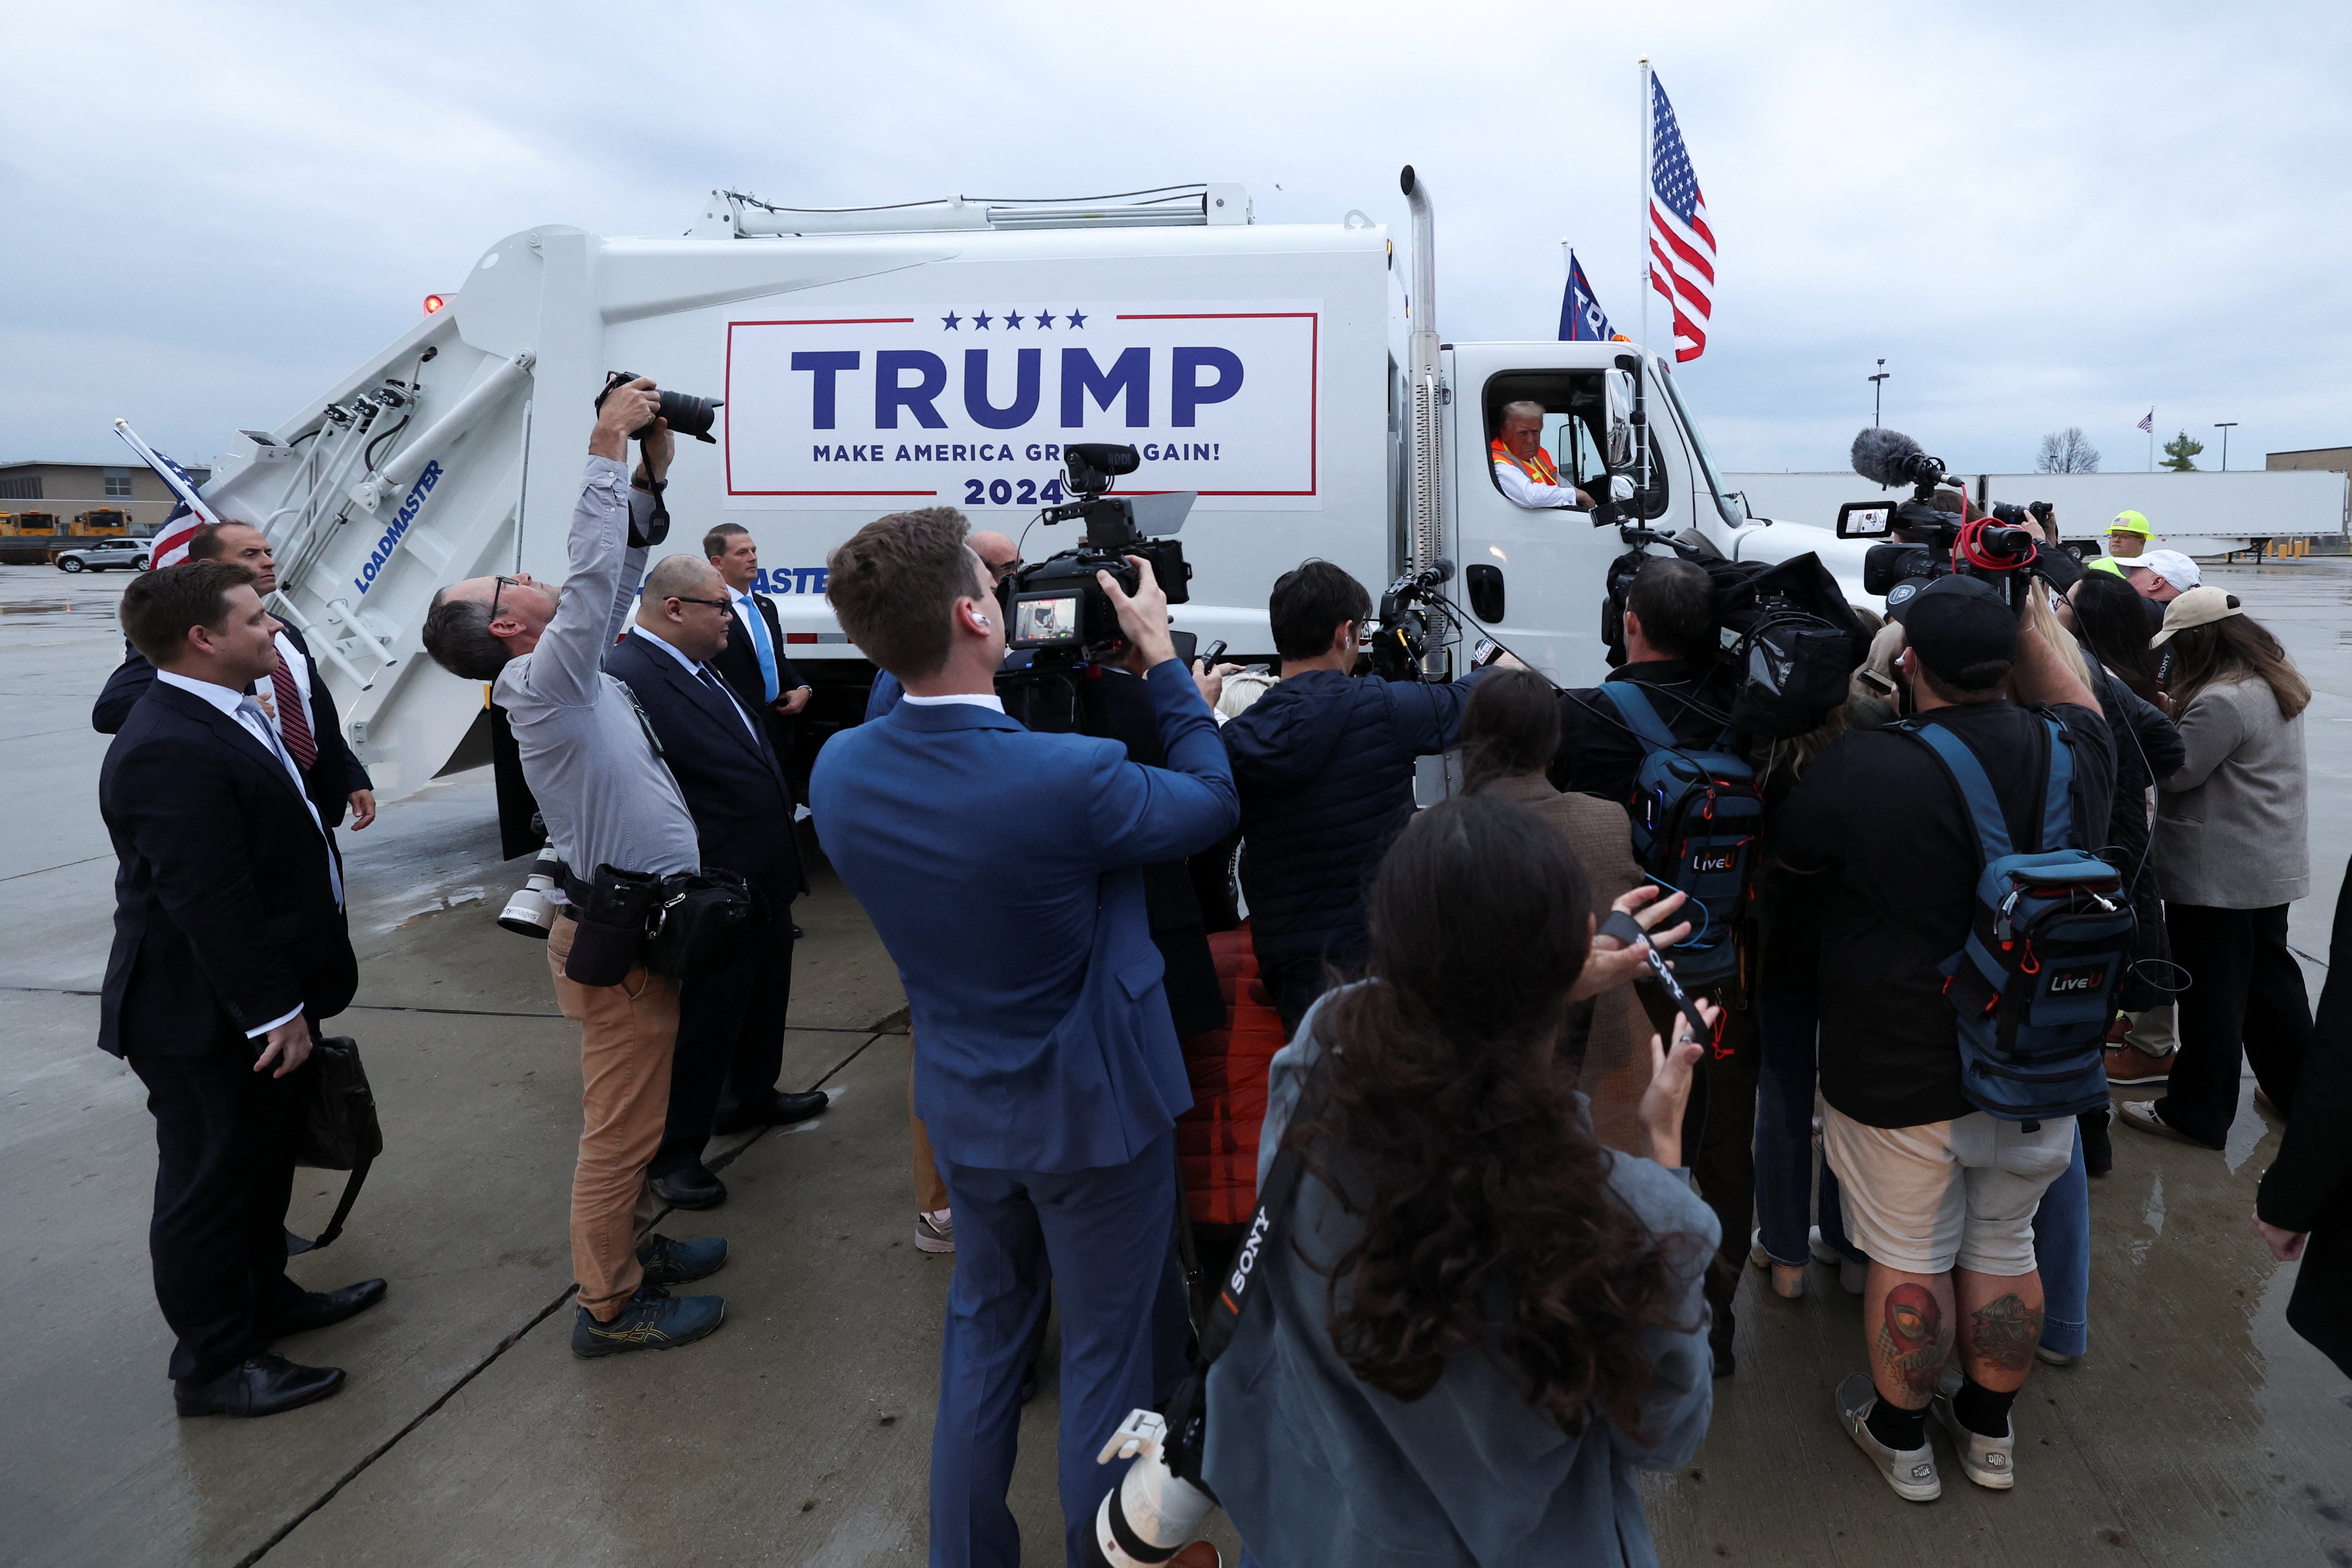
(1581, 320)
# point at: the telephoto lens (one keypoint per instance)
(686, 413)
(530, 912)
(1153, 1512)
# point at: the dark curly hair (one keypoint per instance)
(1445, 1119)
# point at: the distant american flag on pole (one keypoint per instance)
(2148, 423)
(1682, 248)
(170, 545)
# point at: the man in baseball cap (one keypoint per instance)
(2127, 535)
(2162, 575)
(1960, 628)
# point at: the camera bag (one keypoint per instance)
(1695, 818)
(2035, 987)
(610, 939)
(698, 923)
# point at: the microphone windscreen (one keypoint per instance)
(1445, 568)
(1885, 456)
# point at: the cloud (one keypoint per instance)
(2040, 215)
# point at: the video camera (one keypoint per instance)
(1409, 622)
(1055, 610)
(1926, 541)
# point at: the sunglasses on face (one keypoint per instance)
(714, 604)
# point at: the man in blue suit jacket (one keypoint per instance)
(1005, 872)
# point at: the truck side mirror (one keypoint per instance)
(1619, 452)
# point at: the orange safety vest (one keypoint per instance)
(1538, 469)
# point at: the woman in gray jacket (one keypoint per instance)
(2231, 853)
(1481, 1321)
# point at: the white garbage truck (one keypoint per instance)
(942, 354)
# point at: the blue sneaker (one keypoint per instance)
(653, 1321)
(667, 1262)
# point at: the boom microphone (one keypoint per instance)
(1437, 573)
(1890, 457)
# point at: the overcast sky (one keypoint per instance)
(2040, 214)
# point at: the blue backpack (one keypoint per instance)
(2034, 989)
(1695, 817)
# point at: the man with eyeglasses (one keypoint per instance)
(731, 1026)
(611, 805)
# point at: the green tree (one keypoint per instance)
(2180, 454)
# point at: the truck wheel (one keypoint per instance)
(69, 563)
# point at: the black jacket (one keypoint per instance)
(1599, 756)
(2309, 1186)
(728, 773)
(2148, 748)
(332, 779)
(738, 661)
(225, 912)
(1325, 765)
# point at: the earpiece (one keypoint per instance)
(981, 621)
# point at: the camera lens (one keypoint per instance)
(688, 414)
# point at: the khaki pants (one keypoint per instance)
(627, 1032)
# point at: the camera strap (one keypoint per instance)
(1268, 1222)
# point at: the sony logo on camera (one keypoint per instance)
(2088, 979)
(1248, 1258)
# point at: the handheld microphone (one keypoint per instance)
(1891, 458)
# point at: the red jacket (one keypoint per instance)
(1216, 1141)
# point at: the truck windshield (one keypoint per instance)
(1733, 516)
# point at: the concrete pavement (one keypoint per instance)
(2200, 1429)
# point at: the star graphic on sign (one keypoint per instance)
(1044, 321)
(950, 319)
(1013, 321)
(981, 321)
(1076, 319)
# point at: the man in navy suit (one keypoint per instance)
(1003, 870)
(299, 707)
(754, 661)
(229, 946)
(731, 1026)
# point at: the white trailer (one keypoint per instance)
(2200, 514)
(941, 354)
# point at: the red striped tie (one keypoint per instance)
(292, 727)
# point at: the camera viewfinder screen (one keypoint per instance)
(1045, 620)
(1864, 520)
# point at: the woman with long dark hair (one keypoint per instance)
(2109, 618)
(1480, 1320)
(2232, 852)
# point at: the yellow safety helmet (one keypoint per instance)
(2130, 523)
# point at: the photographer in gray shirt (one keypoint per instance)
(614, 815)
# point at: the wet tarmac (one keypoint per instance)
(2199, 1429)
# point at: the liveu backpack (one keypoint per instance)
(2034, 988)
(1696, 813)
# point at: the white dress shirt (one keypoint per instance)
(231, 704)
(1524, 491)
(974, 698)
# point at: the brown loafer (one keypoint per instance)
(2128, 1066)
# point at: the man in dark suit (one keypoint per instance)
(1003, 869)
(229, 946)
(731, 1026)
(753, 660)
(301, 708)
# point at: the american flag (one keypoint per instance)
(2148, 423)
(170, 545)
(1682, 248)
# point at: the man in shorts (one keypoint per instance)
(1941, 1195)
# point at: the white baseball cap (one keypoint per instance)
(2169, 565)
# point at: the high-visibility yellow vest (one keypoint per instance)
(1538, 468)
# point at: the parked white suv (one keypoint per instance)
(106, 553)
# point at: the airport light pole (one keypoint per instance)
(1874, 390)
(2224, 426)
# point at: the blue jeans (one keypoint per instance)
(1787, 1022)
(2062, 1250)
(1103, 1242)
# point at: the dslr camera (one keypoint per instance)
(685, 415)
(1921, 540)
(1055, 610)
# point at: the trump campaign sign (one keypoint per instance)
(969, 406)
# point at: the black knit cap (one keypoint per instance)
(1954, 622)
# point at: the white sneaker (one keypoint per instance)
(1788, 1279)
(1852, 1276)
(1912, 1471)
(934, 1230)
(1989, 1462)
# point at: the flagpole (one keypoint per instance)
(2151, 440)
(196, 503)
(1641, 231)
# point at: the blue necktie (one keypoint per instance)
(258, 718)
(762, 646)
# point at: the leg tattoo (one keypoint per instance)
(2005, 1332)
(1911, 1338)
